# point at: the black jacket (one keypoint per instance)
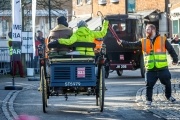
(175, 41)
(138, 45)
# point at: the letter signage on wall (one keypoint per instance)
(27, 42)
(16, 30)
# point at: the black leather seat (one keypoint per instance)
(55, 44)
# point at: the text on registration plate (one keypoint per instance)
(121, 66)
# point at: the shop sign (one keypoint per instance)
(154, 17)
(175, 14)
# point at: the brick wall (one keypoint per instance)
(174, 6)
(118, 8)
(174, 1)
(150, 5)
(109, 8)
(82, 9)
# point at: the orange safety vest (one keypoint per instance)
(46, 44)
(98, 45)
(154, 55)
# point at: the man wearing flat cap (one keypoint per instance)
(60, 31)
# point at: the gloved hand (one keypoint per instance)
(106, 22)
(120, 42)
(174, 63)
(59, 41)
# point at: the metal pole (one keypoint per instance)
(126, 7)
(49, 15)
(167, 15)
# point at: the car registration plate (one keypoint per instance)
(81, 72)
(121, 66)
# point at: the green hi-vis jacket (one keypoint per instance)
(10, 46)
(84, 34)
(154, 54)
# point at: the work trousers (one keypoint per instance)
(14, 66)
(151, 78)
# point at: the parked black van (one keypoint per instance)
(129, 28)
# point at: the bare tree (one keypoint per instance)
(56, 6)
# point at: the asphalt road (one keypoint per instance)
(119, 101)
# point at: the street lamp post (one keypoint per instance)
(49, 15)
(126, 6)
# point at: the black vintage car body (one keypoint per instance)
(129, 28)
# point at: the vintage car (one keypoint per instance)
(128, 28)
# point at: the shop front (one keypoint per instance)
(175, 17)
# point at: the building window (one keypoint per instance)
(88, 1)
(175, 26)
(79, 2)
(114, 1)
(131, 6)
(101, 2)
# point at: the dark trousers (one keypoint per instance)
(14, 65)
(152, 76)
(36, 64)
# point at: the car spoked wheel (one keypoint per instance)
(44, 90)
(101, 88)
(119, 72)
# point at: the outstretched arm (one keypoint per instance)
(130, 45)
(69, 41)
(102, 33)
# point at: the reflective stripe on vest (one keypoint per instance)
(10, 47)
(154, 55)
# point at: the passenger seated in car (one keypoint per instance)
(60, 31)
(84, 34)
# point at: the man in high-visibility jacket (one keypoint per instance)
(155, 60)
(84, 34)
(98, 42)
(14, 62)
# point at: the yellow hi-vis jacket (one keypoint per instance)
(10, 46)
(154, 55)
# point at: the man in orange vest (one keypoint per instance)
(98, 42)
(155, 60)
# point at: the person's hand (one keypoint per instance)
(119, 42)
(174, 63)
(106, 22)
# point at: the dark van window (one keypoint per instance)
(131, 26)
(118, 26)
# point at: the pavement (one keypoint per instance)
(7, 97)
(160, 106)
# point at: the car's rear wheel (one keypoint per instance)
(142, 67)
(119, 72)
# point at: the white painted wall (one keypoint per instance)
(163, 29)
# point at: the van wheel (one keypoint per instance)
(106, 74)
(119, 72)
(143, 70)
